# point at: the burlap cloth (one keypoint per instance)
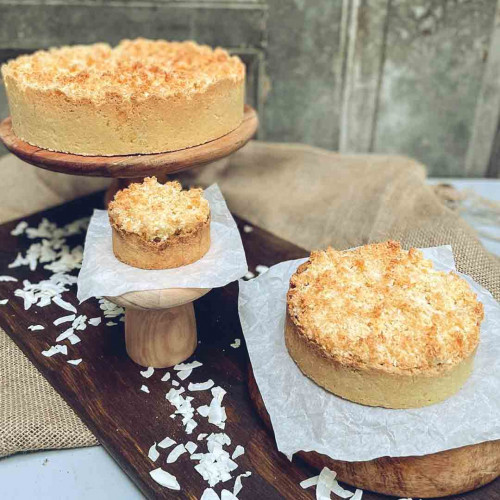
(308, 196)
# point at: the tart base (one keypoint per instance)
(369, 386)
(177, 251)
(121, 126)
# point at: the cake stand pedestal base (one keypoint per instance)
(160, 325)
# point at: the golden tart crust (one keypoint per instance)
(380, 326)
(159, 226)
(142, 96)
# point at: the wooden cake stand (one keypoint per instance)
(436, 475)
(160, 325)
(131, 168)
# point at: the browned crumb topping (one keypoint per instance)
(135, 69)
(382, 306)
(157, 211)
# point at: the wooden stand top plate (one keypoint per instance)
(131, 166)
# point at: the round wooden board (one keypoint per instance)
(440, 474)
(132, 166)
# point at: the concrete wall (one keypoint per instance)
(419, 77)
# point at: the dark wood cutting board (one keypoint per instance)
(104, 389)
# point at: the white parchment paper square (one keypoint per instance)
(102, 274)
(306, 417)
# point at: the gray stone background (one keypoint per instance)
(413, 77)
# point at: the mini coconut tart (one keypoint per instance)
(380, 326)
(159, 226)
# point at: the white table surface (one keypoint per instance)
(90, 473)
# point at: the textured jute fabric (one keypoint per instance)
(308, 196)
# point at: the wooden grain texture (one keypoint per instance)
(104, 388)
(160, 338)
(132, 166)
(440, 474)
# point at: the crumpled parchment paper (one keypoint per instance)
(102, 274)
(306, 417)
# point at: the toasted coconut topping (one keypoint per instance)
(157, 211)
(382, 306)
(135, 69)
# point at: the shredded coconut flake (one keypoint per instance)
(145, 388)
(341, 492)
(238, 451)
(227, 495)
(64, 335)
(3, 302)
(165, 479)
(307, 483)
(7, 278)
(249, 275)
(247, 228)
(148, 372)
(176, 453)
(184, 374)
(74, 339)
(166, 377)
(95, 321)
(358, 495)
(237, 482)
(201, 436)
(191, 447)
(209, 494)
(63, 304)
(153, 453)
(64, 319)
(236, 343)
(175, 383)
(166, 443)
(34, 328)
(75, 362)
(202, 386)
(19, 229)
(55, 350)
(326, 481)
(187, 366)
(111, 323)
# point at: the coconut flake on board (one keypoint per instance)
(95, 321)
(184, 374)
(201, 386)
(164, 478)
(238, 451)
(166, 377)
(176, 453)
(7, 278)
(75, 362)
(166, 443)
(237, 482)
(74, 339)
(145, 388)
(55, 349)
(147, 372)
(187, 366)
(35, 328)
(209, 494)
(64, 319)
(153, 453)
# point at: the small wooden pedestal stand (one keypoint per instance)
(160, 327)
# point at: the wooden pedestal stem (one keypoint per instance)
(161, 338)
(160, 325)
